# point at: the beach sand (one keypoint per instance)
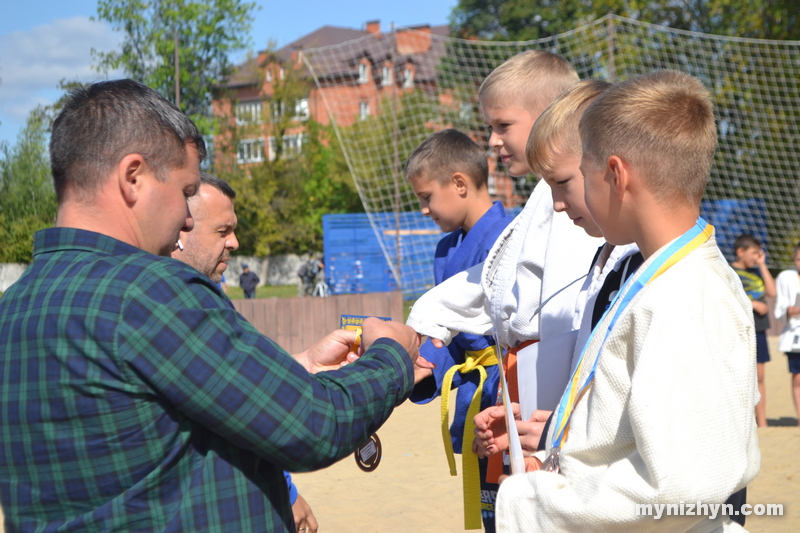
(412, 490)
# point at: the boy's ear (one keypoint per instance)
(618, 173)
(460, 182)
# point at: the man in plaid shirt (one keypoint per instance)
(132, 395)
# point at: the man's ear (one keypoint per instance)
(618, 174)
(129, 172)
(460, 182)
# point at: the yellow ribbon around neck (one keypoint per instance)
(475, 361)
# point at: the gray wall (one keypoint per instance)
(275, 270)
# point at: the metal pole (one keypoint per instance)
(177, 71)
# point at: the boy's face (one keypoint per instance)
(567, 186)
(510, 129)
(443, 203)
(601, 203)
(749, 256)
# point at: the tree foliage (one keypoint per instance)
(519, 20)
(208, 32)
(27, 197)
(280, 202)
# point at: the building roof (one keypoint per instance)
(333, 59)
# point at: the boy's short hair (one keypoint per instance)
(530, 80)
(445, 153)
(555, 133)
(662, 123)
(746, 241)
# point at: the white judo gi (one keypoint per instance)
(668, 419)
(505, 291)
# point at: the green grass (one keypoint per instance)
(267, 291)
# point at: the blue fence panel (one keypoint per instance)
(355, 260)
(732, 217)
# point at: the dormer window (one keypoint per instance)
(386, 76)
(408, 78)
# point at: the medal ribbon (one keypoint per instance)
(680, 248)
(474, 361)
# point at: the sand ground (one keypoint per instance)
(412, 490)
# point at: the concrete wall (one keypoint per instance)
(275, 270)
(10, 273)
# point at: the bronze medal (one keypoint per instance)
(368, 455)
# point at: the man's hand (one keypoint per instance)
(304, 519)
(330, 353)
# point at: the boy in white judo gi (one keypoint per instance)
(659, 410)
(539, 257)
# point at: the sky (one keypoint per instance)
(44, 41)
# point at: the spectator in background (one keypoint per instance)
(751, 267)
(223, 285)
(248, 281)
(787, 309)
(307, 272)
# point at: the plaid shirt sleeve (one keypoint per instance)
(196, 351)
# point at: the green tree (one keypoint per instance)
(518, 20)
(280, 202)
(27, 197)
(208, 32)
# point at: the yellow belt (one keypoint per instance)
(475, 360)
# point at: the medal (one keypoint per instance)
(368, 455)
(551, 464)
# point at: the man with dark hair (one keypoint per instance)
(207, 248)
(248, 281)
(134, 397)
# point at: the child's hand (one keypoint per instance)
(530, 432)
(491, 434)
(792, 310)
(760, 307)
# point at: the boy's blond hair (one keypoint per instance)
(662, 123)
(443, 154)
(555, 133)
(530, 80)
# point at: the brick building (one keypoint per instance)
(352, 81)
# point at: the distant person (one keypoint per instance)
(207, 248)
(248, 281)
(223, 285)
(134, 397)
(787, 309)
(308, 272)
(751, 267)
(449, 174)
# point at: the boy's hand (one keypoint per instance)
(491, 435)
(760, 307)
(792, 310)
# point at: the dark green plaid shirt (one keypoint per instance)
(133, 397)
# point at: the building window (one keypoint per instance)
(250, 151)
(292, 146)
(386, 76)
(363, 110)
(408, 78)
(249, 113)
(269, 74)
(282, 73)
(301, 109)
(362, 73)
